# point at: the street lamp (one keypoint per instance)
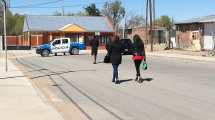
(5, 33)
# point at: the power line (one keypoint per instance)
(69, 6)
(32, 7)
(38, 4)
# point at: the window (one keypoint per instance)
(195, 35)
(65, 41)
(73, 39)
(56, 42)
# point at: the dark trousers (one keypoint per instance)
(137, 66)
(115, 71)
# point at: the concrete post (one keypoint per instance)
(28, 42)
(5, 36)
(37, 40)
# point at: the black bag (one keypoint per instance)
(107, 59)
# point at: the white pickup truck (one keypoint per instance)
(60, 45)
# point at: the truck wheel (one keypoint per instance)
(70, 52)
(45, 53)
(74, 51)
(55, 54)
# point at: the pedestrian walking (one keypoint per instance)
(94, 48)
(138, 55)
(115, 51)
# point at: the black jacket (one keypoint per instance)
(94, 44)
(115, 52)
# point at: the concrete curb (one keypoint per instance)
(186, 57)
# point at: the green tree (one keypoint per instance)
(14, 23)
(80, 13)
(91, 10)
(11, 22)
(18, 28)
(115, 11)
(166, 22)
(136, 20)
(1, 20)
(57, 13)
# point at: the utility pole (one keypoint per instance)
(150, 13)
(125, 25)
(5, 33)
(146, 26)
(63, 11)
(151, 27)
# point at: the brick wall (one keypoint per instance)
(36, 40)
(15, 40)
(184, 35)
(159, 37)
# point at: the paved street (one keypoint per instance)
(174, 89)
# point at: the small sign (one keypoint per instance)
(97, 33)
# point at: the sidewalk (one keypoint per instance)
(18, 98)
(187, 55)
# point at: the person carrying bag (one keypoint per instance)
(139, 56)
(115, 52)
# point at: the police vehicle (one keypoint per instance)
(60, 45)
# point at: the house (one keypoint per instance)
(159, 34)
(41, 29)
(159, 37)
(196, 34)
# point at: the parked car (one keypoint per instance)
(60, 45)
(127, 45)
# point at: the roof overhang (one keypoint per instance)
(72, 28)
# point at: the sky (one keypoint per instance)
(177, 9)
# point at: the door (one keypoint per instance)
(55, 46)
(65, 45)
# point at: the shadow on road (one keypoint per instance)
(146, 79)
(37, 70)
(100, 62)
(60, 73)
(11, 77)
(124, 81)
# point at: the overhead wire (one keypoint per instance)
(38, 7)
(36, 4)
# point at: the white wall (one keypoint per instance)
(209, 36)
(1, 42)
(173, 42)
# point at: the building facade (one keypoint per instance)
(159, 34)
(42, 29)
(196, 34)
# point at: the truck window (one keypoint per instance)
(65, 41)
(56, 42)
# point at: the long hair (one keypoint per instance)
(138, 42)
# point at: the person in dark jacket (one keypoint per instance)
(138, 55)
(115, 51)
(94, 48)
